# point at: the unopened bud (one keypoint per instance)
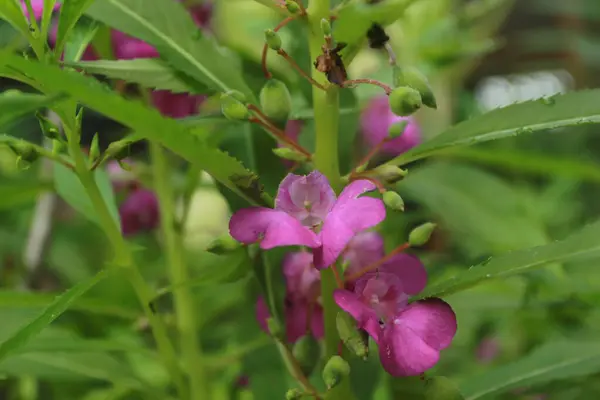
(232, 108)
(404, 101)
(353, 338)
(94, 148)
(49, 128)
(118, 150)
(361, 168)
(294, 394)
(223, 245)
(24, 151)
(274, 327)
(326, 27)
(421, 234)
(273, 40)
(289, 154)
(397, 129)
(414, 79)
(79, 117)
(307, 352)
(292, 6)
(389, 174)
(275, 100)
(58, 146)
(335, 371)
(393, 201)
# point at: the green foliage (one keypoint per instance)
(70, 13)
(80, 37)
(16, 104)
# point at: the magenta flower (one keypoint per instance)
(364, 249)
(303, 280)
(139, 212)
(376, 120)
(305, 204)
(38, 8)
(296, 318)
(410, 336)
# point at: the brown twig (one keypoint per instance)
(378, 263)
(291, 61)
(369, 155)
(385, 87)
(278, 133)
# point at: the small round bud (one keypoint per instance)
(289, 154)
(389, 174)
(307, 352)
(404, 101)
(49, 129)
(393, 201)
(292, 6)
(326, 27)
(94, 148)
(397, 129)
(273, 40)
(24, 151)
(335, 371)
(275, 100)
(118, 150)
(352, 337)
(232, 108)
(414, 79)
(239, 96)
(223, 245)
(421, 234)
(294, 394)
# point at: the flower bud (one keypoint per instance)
(49, 128)
(275, 328)
(292, 6)
(354, 338)
(335, 371)
(393, 201)
(404, 101)
(389, 174)
(232, 108)
(223, 245)
(326, 27)
(414, 79)
(289, 154)
(421, 234)
(24, 151)
(275, 100)
(118, 150)
(94, 148)
(273, 40)
(396, 130)
(307, 352)
(294, 394)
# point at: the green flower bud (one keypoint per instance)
(24, 151)
(421, 234)
(361, 168)
(292, 6)
(404, 101)
(275, 328)
(389, 174)
(289, 154)
(294, 394)
(49, 128)
(275, 100)
(335, 371)
(273, 40)
(94, 149)
(223, 245)
(355, 339)
(79, 116)
(414, 79)
(118, 150)
(239, 96)
(307, 352)
(58, 146)
(326, 27)
(232, 108)
(397, 129)
(393, 201)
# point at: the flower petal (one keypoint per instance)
(301, 278)
(276, 228)
(296, 314)
(262, 314)
(432, 320)
(355, 189)
(409, 270)
(345, 221)
(364, 315)
(365, 248)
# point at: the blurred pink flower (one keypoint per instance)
(296, 318)
(37, 7)
(139, 212)
(487, 350)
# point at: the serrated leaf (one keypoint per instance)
(168, 26)
(146, 72)
(16, 104)
(553, 361)
(70, 12)
(582, 243)
(575, 108)
(147, 122)
(21, 337)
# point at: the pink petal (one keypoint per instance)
(176, 105)
(365, 248)
(38, 8)
(262, 314)
(296, 314)
(410, 271)
(433, 320)
(302, 279)
(276, 229)
(349, 216)
(364, 315)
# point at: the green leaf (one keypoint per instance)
(49, 314)
(442, 388)
(575, 108)
(14, 194)
(147, 122)
(168, 26)
(69, 187)
(150, 73)
(80, 37)
(15, 104)
(582, 243)
(552, 361)
(11, 11)
(70, 12)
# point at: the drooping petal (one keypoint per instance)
(349, 216)
(302, 279)
(364, 315)
(365, 248)
(296, 320)
(276, 228)
(262, 314)
(409, 270)
(412, 341)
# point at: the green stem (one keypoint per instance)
(124, 259)
(184, 301)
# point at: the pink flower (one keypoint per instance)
(364, 249)
(303, 280)
(139, 212)
(293, 128)
(375, 122)
(410, 336)
(38, 8)
(303, 205)
(296, 318)
(120, 178)
(487, 350)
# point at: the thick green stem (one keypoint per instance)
(184, 301)
(124, 259)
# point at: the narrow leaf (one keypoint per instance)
(16, 104)
(80, 38)
(45, 318)
(575, 108)
(70, 13)
(11, 12)
(14, 194)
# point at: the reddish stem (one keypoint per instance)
(370, 154)
(338, 279)
(283, 23)
(291, 61)
(267, 124)
(379, 262)
(385, 87)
